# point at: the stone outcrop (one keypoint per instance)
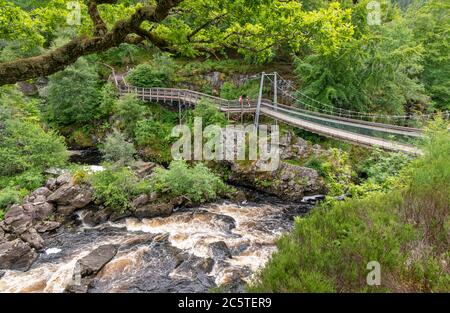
(23, 224)
(16, 255)
(289, 181)
(292, 146)
(87, 267)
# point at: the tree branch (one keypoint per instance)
(204, 25)
(58, 59)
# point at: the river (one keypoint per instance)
(193, 250)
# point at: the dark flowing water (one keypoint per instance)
(193, 250)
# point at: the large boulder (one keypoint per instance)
(93, 218)
(94, 261)
(289, 181)
(33, 238)
(292, 146)
(87, 267)
(17, 220)
(70, 197)
(219, 250)
(154, 210)
(16, 255)
(46, 226)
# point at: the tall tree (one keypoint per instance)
(255, 28)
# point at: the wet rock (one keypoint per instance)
(33, 238)
(224, 222)
(16, 255)
(66, 210)
(70, 197)
(46, 226)
(313, 199)
(2, 273)
(94, 261)
(219, 250)
(94, 218)
(154, 210)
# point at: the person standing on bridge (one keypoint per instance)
(241, 100)
(248, 100)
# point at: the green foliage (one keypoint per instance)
(381, 165)
(129, 110)
(25, 146)
(209, 113)
(377, 72)
(404, 229)
(196, 183)
(116, 188)
(117, 149)
(146, 75)
(155, 138)
(108, 102)
(9, 195)
(74, 95)
(334, 166)
(431, 27)
(231, 92)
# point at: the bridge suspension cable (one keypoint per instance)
(350, 113)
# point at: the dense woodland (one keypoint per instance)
(55, 96)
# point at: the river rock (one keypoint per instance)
(33, 238)
(94, 261)
(219, 250)
(154, 210)
(70, 197)
(141, 200)
(16, 255)
(42, 191)
(289, 181)
(64, 178)
(45, 226)
(17, 220)
(144, 169)
(93, 218)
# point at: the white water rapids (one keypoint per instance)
(163, 254)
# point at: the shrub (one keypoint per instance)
(109, 95)
(117, 149)
(196, 183)
(381, 165)
(25, 145)
(405, 230)
(155, 139)
(129, 111)
(116, 188)
(9, 196)
(74, 95)
(209, 113)
(146, 75)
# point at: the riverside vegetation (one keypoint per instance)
(379, 206)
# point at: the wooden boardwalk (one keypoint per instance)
(319, 123)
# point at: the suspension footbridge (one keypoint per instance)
(350, 126)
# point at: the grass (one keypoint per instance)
(405, 229)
